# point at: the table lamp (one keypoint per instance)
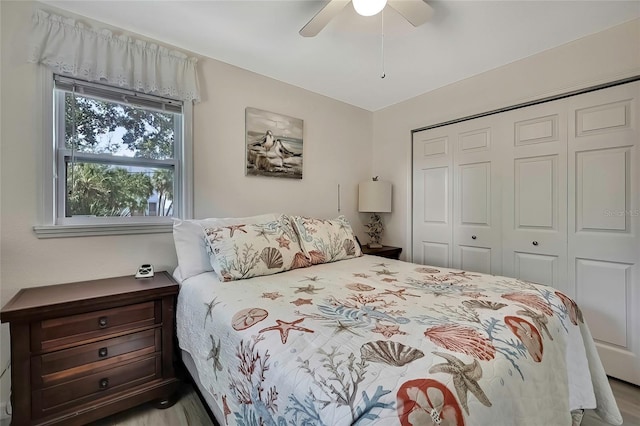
(374, 197)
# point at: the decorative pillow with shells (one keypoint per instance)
(249, 250)
(326, 241)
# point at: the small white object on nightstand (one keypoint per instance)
(145, 271)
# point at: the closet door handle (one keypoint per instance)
(473, 237)
(535, 243)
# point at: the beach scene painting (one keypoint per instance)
(274, 144)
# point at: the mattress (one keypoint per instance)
(382, 342)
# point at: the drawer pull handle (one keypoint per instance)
(104, 383)
(102, 352)
(535, 243)
(473, 237)
(102, 322)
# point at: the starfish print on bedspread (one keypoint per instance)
(380, 265)
(400, 294)
(465, 378)
(284, 328)
(210, 307)
(389, 280)
(214, 354)
(334, 320)
(388, 331)
(361, 275)
(301, 301)
(341, 328)
(310, 289)
(272, 296)
(385, 272)
(313, 279)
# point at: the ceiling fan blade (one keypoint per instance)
(415, 11)
(322, 18)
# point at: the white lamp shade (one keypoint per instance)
(374, 196)
(369, 7)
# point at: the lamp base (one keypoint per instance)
(374, 245)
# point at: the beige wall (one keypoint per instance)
(337, 150)
(606, 56)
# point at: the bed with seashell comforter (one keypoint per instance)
(372, 341)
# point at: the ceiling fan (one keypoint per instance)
(417, 12)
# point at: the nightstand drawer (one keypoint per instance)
(72, 393)
(58, 332)
(55, 367)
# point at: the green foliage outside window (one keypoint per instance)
(117, 130)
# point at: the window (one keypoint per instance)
(117, 157)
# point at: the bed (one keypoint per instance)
(365, 340)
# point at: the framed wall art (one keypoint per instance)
(274, 144)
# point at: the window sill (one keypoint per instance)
(67, 231)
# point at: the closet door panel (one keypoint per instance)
(604, 222)
(537, 268)
(536, 184)
(434, 254)
(477, 197)
(475, 193)
(603, 291)
(436, 194)
(534, 193)
(432, 198)
(597, 173)
(476, 259)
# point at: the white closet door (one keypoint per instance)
(432, 197)
(535, 194)
(604, 222)
(476, 207)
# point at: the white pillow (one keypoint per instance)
(189, 239)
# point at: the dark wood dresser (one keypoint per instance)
(85, 350)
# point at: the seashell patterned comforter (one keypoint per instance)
(373, 341)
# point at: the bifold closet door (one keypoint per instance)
(476, 195)
(433, 197)
(534, 216)
(604, 222)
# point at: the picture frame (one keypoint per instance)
(274, 144)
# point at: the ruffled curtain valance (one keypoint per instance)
(69, 47)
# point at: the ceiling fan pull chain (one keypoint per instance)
(383, 75)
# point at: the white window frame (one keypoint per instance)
(52, 222)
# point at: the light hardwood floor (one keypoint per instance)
(189, 411)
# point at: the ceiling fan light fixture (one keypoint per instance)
(369, 7)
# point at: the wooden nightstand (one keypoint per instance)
(385, 251)
(85, 350)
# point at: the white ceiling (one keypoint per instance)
(344, 61)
